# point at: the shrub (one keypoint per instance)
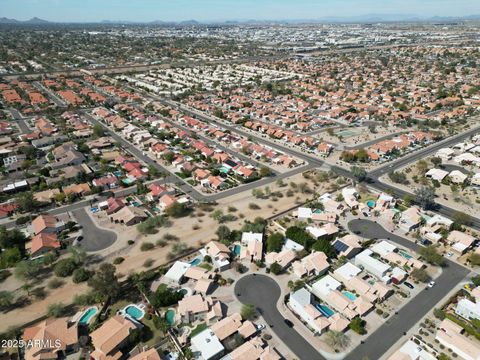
(161, 243)
(64, 267)
(81, 275)
(55, 283)
(148, 263)
(118, 260)
(253, 206)
(56, 310)
(130, 242)
(146, 246)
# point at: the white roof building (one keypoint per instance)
(468, 309)
(373, 266)
(411, 351)
(292, 245)
(325, 285)
(176, 272)
(206, 346)
(457, 177)
(436, 174)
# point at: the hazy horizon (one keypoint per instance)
(223, 10)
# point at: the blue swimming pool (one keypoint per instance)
(350, 295)
(135, 312)
(371, 204)
(195, 261)
(87, 316)
(405, 255)
(237, 249)
(325, 310)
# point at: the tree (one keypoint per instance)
(10, 257)
(78, 255)
(460, 218)
(431, 255)
(64, 267)
(325, 246)
(337, 340)
(223, 232)
(248, 311)
(275, 242)
(6, 299)
(105, 281)
(358, 325)
(161, 324)
(164, 296)
(420, 275)
(264, 171)
(81, 275)
(176, 210)
(27, 203)
(275, 268)
(358, 173)
(474, 259)
(27, 270)
(425, 197)
(98, 130)
(12, 238)
(56, 310)
(436, 161)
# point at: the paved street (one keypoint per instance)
(263, 292)
(388, 334)
(94, 238)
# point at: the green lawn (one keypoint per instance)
(156, 335)
(118, 305)
(364, 197)
(198, 329)
(206, 266)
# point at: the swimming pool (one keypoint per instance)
(371, 204)
(170, 317)
(195, 261)
(87, 316)
(237, 250)
(349, 295)
(405, 255)
(346, 133)
(325, 310)
(135, 312)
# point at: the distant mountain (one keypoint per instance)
(33, 21)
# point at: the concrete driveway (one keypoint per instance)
(263, 292)
(388, 334)
(94, 238)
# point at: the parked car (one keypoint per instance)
(261, 327)
(431, 284)
(408, 285)
(449, 254)
(288, 323)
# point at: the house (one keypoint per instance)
(43, 243)
(348, 245)
(284, 258)
(350, 196)
(114, 205)
(451, 336)
(411, 351)
(109, 338)
(47, 224)
(57, 336)
(410, 219)
(326, 231)
(206, 346)
(156, 191)
(176, 272)
(77, 189)
(106, 182)
(227, 326)
(468, 309)
(445, 153)
(457, 177)
(460, 241)
(252, 246)
(365, 261)
(315, 263)
(436, 174)
(166, 201)
(128, 215)
(150, 354)
(219, 253)
(65, 155)
(46, 196)
(197, 308)
(300, 302)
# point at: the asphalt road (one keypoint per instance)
(94, 238)
(263, 292)
(388, 334)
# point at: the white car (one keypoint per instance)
(261, 327)
(449, 254)
(431, 284)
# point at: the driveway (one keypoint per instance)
(94, 238)
(263, 292)
(389, 333)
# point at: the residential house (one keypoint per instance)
(219, 253)
(348, 245)
(47, 224)
(129, 215)
(252, 246)
(468, 309)
(460, 242)
(313, 264)
(206, 346)
(198, 308)
(110, 337)
(43, 243)
(284, 258)
(410, 219)
(450, 335)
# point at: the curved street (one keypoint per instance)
(389, 333)
(94, 238)
(263, 292)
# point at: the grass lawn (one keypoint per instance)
(198, 329)
(156, 335)
(364, 197)
(118, 305)
(206, 266)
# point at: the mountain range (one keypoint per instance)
(369, 18)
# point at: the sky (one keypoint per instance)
(219, 10)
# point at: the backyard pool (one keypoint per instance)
(237, 249)
(405, 255)
(196, 261)
(325, 310)
(88, 315)
(170, 317)
(349, 295)
(134, 311)
(371, 204)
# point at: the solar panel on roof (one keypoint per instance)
(340, 246)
